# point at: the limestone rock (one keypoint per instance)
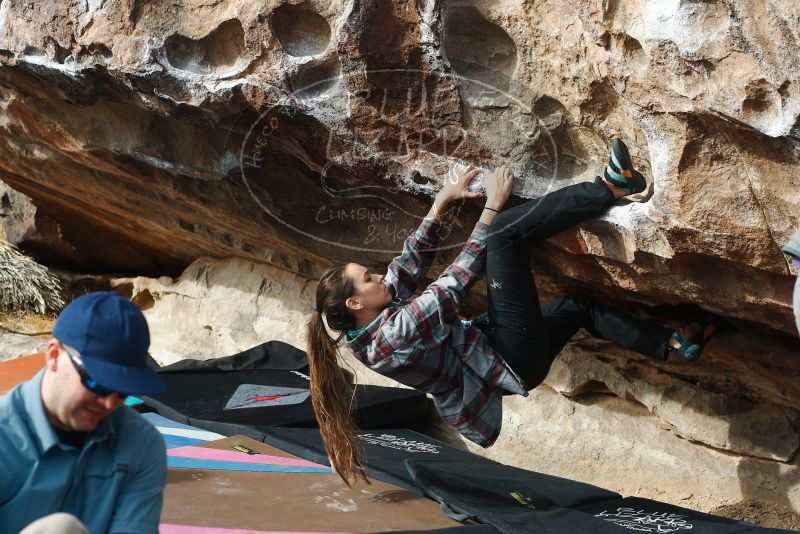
(712, 419)
(154, 133)
(219, 308)
(35, 232)
(16, 214)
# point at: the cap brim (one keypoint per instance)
(123, 378)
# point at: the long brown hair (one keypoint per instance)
(331, 391)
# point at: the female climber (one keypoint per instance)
(467, 366)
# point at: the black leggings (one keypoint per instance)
(528, 337)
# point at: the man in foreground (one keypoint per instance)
(73, 458)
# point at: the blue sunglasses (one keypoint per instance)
(87, 381)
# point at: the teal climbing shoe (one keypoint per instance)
(619, 170)
(692, 339)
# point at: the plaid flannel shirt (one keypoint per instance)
(422, 343)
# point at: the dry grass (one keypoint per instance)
(26, 286)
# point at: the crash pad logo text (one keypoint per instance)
(641, 521)
(395, 442)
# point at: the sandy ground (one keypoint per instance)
(764, 514)
(22, 334)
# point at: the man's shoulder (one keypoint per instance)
(15, 405)
(134, 428)
(11, 406)
(15, 431)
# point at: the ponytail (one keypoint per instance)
(331, 395)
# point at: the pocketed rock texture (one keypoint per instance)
(148, 134)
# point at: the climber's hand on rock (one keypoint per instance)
(498, 188)
(456, 183)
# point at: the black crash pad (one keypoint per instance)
(636, 513)
(466, 529)
(518, 506)
(201, 400)
(272, 355)
(387, 451)
(266, 386)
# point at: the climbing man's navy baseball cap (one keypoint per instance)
(111, 336)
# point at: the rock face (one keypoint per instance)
(297, 134)
(39, 234)
(154, 133)
(219, 308)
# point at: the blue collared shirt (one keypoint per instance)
(114, 483)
